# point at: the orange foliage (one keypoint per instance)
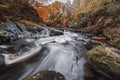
(65, 22)
(50, 12)
(43, 12)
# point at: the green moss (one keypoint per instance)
(116, 42)
(104, 61)
(99, 50)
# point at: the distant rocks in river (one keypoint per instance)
(12, 31)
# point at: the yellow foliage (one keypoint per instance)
(88, 5)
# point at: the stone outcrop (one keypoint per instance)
(105, 60)
(11, 31)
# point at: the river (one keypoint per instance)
(60, 51)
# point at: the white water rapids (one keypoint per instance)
(63, 53)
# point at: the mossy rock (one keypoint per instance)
(114, 35)
(116, 43)
(105, 61)
(46, 75)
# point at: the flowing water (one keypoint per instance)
(63, 53)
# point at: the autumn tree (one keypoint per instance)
(43, 12)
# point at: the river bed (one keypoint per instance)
(47, 49)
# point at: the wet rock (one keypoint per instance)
(34, 29)
(11, 31)
(22, 46)
(55, 33)
(105, 60)
(7, 37)
(11, 27)
(98, 38)
(46, 75)
(19, 46)
(7, 49)
(89, 74)
(2, 62)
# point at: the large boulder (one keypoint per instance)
(46, 75)
(105, 60)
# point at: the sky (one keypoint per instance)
(46, 2)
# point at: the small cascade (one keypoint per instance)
(60, 51)
(64, 55)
